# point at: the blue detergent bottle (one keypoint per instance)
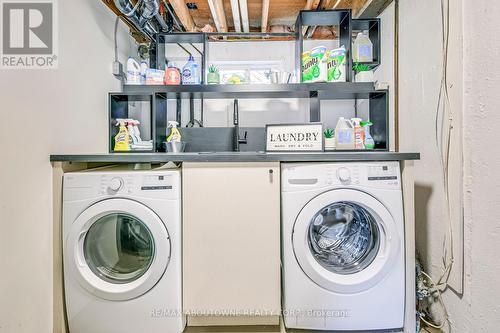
(191, 72)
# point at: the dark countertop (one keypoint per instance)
(236, 157)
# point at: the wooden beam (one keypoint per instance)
(235, 8)
(265, 15)
(244, 15)
(182, 12)
(371, 8)
(218, 14)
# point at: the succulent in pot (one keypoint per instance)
(363, 73)
(213, 76)
(329, 135)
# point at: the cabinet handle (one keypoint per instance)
(271, 172)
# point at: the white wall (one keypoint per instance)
(44, 112)
(473, 82)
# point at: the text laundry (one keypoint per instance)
(286, 137)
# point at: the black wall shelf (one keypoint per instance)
(158, 95)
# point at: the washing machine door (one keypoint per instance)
(118, 249)
(345, 240)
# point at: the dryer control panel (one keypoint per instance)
(140, 184)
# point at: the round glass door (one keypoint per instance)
(119, 248)
(344, 238)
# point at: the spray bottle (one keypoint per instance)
(175, 135)
(358, 133)
(137, 132)
(131, 131)
(368, 140)
(122, 139)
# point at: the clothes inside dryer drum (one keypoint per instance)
(119, 248)
(344, 238)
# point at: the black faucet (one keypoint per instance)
(237, 140)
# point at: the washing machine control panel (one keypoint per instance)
(383, 175)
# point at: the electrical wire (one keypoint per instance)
(434, 287)
(443, 130)
(444, 120)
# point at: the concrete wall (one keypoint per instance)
(44, 112)
(473, 82)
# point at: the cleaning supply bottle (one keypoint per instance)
(175, 134)
(137, 132)
(131, 131)
(144, 68)
(363, 48)
(344, 134)
(122, 139)
(133, 71)
(358, 133)
(368, 140)
(191, 72)
(172, 75)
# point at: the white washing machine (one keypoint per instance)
(343, 246)
(122, 251)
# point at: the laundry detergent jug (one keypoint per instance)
(344, 134)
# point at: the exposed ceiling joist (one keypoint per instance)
(244, 15)
(218, 14)
(371, 8)
(235, 9)
(183, 14)
(265, 15)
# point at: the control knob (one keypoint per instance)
(344, 175)
(115, 184)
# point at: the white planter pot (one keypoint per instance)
(364, 77)
(330, 144)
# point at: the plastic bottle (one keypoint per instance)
(133, 71)
(191, 72)
(175, 135)
(137, 132)
(172, 75)
(131, 131)
(368, 140)
(344, 134)
(362, 48)
(358, 133)
(122, 139)
(144, 68)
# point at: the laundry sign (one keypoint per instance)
(295, 137)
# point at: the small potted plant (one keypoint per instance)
(363, 73)
(329, 135)
(213, 76)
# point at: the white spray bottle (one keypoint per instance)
(131, 131)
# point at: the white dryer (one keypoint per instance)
(343, 246)
(122, 251)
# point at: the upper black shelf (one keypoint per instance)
(340, 90)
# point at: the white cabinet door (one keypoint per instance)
(231, 243)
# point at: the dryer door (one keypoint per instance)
(345, 240)
(118, 249)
